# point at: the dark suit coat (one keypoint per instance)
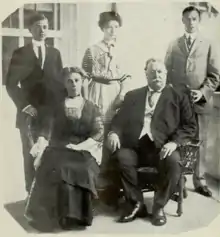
(27, 83)
(173, 118)
(199, 68)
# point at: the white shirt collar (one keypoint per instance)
(151, 90)
(38, 43)
(75, 102)
(192, 35)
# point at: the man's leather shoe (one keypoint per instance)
(203, 190)
(159, 217)
(139, 210)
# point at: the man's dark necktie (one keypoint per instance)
(40, 58)
(151, 98)
(189, 42)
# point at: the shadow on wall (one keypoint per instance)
(213, 149)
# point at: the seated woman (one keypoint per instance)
(65, 182)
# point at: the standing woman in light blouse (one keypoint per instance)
(107, 85)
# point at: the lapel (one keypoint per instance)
(196, 44)
(161, 100)
(46, 56)
(140, 104)
(182, 45)
(33, 58)
(31, 55)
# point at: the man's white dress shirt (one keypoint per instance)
(41, 44)
(149, 110)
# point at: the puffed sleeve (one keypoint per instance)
(87, 62)
(87, 65)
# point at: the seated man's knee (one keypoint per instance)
(173, 159)
(172, 165)
(126, 156)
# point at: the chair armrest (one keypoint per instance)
(189, 155)
(193, 143)
(147, 169)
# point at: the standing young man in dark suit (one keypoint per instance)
(192, 60)
(152, 122)
(33, 84)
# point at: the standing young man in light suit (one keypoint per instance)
(33, 84)
(192, 60)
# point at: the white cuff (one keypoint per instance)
(111, 133)
(23, 110)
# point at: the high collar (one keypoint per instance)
(38, 43)
(192, 35)
(151, 90)
(104, 45)
(74, 97)
(108, 43)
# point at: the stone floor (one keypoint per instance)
(199, 212)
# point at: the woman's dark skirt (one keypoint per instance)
(64, 187)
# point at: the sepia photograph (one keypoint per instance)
(110, 117)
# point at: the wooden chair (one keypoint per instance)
(189, 154)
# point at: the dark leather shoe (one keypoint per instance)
(69, 224)
(159, 217)
(139, 210)
(203, 190)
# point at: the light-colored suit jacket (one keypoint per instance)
(198, 68)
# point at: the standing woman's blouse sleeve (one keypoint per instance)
(87, 63)
(97, 63)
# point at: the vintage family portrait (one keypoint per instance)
(111, 116)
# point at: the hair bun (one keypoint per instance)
(105, 17)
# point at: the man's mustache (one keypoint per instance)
(157, 79)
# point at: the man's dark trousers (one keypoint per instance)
(146, 154)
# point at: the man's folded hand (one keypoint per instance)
(196, 95)
(113, 142)
(167, 149)
(37, 150)
(30, 110)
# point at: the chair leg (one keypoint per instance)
(185, 193)
(180, 198)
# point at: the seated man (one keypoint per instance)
(152, 122)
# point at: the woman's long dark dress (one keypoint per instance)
(65, 182)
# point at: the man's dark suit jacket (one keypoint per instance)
(27, 83)
(173, 118)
